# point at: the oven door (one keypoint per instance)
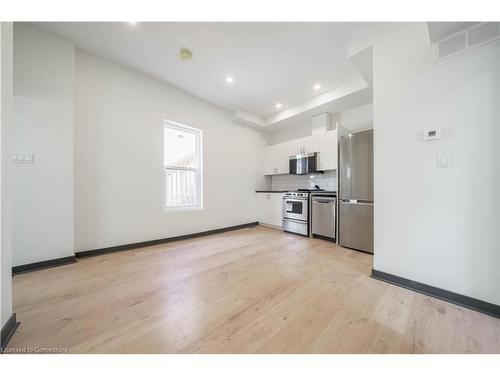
(295, 208)
(295, 226)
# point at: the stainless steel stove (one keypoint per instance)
(296, 212)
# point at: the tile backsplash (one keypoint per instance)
(327, 181)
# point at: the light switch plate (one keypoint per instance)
(23, 157)
(444, 160)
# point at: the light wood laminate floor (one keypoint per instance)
(255, 290)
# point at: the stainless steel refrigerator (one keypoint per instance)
(356, 190)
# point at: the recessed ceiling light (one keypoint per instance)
(317, 86)
(185, 54)
(278, 105)
(132, 22)
(229, 79)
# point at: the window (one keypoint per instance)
(182, 167)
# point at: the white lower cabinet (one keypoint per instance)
(269, 208)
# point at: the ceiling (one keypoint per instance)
(270, 62)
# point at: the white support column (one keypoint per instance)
(5, 222)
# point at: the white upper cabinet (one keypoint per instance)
(276, 159)
(311, 143)
(322, 141)
(269, 157)
(327, 158)
(304, 145)
(294, 147)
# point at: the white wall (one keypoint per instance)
(438, 226)
(43, 125)
(357, 119)
(5, 183)
(289, 133)
(118, 159)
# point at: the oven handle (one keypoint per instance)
(295, 221)
(295, 199)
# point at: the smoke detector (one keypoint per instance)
(185, 54)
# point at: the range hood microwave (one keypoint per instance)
(303, 163)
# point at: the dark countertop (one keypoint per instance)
(325, 192)
(284, 191)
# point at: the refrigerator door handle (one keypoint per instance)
(349, 201)
(357, 201)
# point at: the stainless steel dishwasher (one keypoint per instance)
(323, 217)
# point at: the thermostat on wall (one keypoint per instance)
(431, 134)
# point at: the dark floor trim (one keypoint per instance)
(8, 331)
(329, 239)
(42, 265)
(445, 295)
(113, 249)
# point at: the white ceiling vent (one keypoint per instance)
(466, 40)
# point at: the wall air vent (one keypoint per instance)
(465, 40)
(484, 33)
(452, 45)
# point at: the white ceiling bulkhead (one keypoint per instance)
(266, 73)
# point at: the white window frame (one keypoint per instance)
(198, 205)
